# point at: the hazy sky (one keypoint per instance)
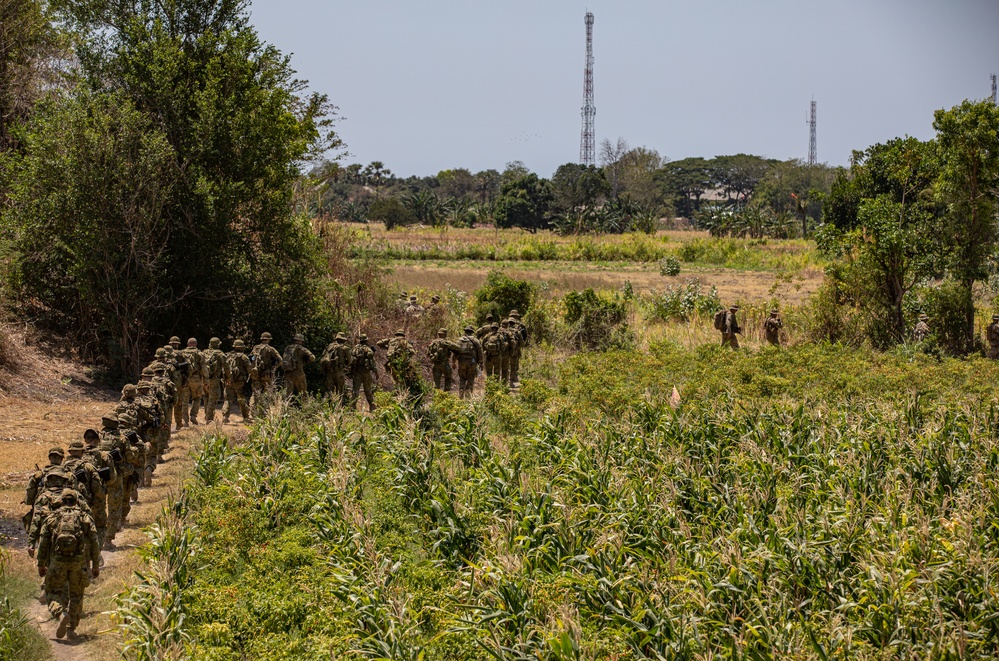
(426, 86)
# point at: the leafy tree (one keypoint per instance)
(487, 185)
(739, 175)
(637, 172)
(524, 202)
(390, 211)
(611, 154)
(685, 181)
(968, 136)
(424, 207)
(237, 128)
(457, 183)
(574, 185)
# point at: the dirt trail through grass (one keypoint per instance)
(27, 429)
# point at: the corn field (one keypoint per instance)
(503, 530)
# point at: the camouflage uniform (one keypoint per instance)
(237, 373)
(57, 483)
(992, 335)
(295, 358)
(264, 361)
(771, 328)
(215, 366)
(485, 329)
(102, 461)
(399, 362)
(440, 352)
(169, 396)
(89, 483)
(37, 481)
(67, 548)
(364, 373)
(413, 310)
(494, 346)
(179, 376)
(114, 444)
(469, 359)
(509, 343)
(922, 329)
(197, 378)
(731, 329)
(152, 402)
(336, 364)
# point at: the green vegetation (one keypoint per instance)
(19, 638)
(812, 503)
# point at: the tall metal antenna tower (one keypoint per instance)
(588, 139)
(993, 89)
(811, 135)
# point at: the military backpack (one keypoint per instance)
(290, 361)
(720, 320)
(68, 536)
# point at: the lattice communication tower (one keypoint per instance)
(811, 136)
(588, 137)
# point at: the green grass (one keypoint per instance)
(19, 638)
(813, 503)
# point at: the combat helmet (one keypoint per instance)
(57, 452)
(442, 332)
(238, 344)
(215, 343)
(192, 342)
(76, 445)
(340, 337)
(400, 333)
(174, 340)
(265, 336)
(298, 338)
(160, 353)
(128, 390)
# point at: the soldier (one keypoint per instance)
(469, 359)
(413, 310)
(197, 377)
(215, 366)
(237, 373)
(440, 352)
(295, 358)
(771, 328)
(399, 363)
(67, 548)
(730, 328)
(152, 403)
(364, 373)
(402, 301)
(169, 393)
(37, 481)
(264, 362)
(114, 444)
(922, 329)
(992, 335)
(90, 485)
(336, 364)
(57, 482)
(494, 345)
(520, 338)
(435, 302)
(486, 328)
(517, 324)
(509, 340)
(105, 470)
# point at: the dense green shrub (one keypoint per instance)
(669, 266)
(596, 321)
(500, 294)
(390, 211)
(683, 302)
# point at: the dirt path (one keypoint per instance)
(27, 429)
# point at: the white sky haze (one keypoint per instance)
(426, 86)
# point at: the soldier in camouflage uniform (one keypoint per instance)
(440, 352)
(336, 365)
(67, 549)
(399, 362)
(509, 342)
(215, 366)
(494, 345)
(178, 370)
(486, 328)
(152, 402)
(413, 310)
(296, 357)
(771, 328)
(364, 373)
(36, 482)
(520, 332)
(731, 329)
(992, 335)
(135, 455)
(57, 482)
(197, 377)
(922, 329)
(237, 373)
(105, 470)
(89, 483)
(469, 359)
(264, 362)
(114, 444)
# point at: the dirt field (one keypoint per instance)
(560, 277)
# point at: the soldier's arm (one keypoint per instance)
(42, 555)
(310, 357)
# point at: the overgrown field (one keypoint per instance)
(514, 245)
(845, 509)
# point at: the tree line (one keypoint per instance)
(634, 189)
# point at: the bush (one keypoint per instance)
(597, 321)
(392, 212)
(682, 302)
(501, 294)
(669, 266)
(945, 304)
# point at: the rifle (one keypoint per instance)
(104, 473)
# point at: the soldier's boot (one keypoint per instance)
(147, 477)
(63, 625)
(133, 493)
